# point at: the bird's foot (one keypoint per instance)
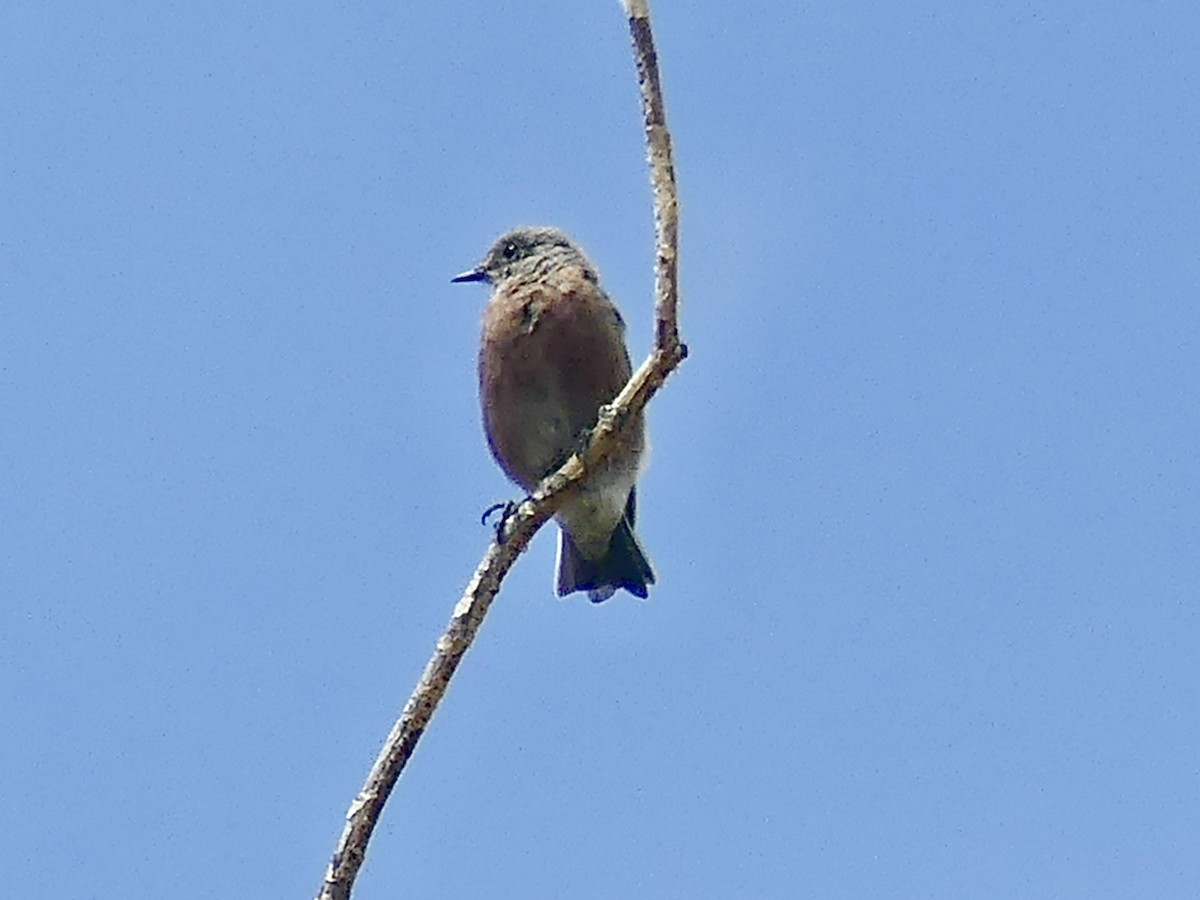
(506, 508)
(581, 442)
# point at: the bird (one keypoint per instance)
(552, 353)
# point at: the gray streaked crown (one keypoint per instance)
(532, 253)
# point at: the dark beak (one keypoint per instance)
(473, 275)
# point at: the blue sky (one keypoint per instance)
(923, 502)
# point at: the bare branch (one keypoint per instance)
(662, 178)
(520, 528)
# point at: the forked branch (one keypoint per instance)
(531, 515)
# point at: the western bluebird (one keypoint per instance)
(553, 352)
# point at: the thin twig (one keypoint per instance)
(662, 179)
(520, 528)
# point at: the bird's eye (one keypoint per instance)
(510, 250)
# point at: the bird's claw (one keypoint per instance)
(506, 508)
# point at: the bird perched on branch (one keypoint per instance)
(553, 352)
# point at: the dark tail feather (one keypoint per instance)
(624, 566)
